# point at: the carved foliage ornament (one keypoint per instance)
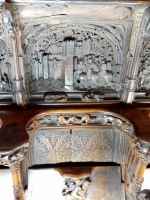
(103, 118)
(73, 57)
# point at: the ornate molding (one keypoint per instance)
(101, 118)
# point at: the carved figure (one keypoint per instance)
(7, 18)
(64, 120)
(92, 97)
(33, 126)
(85, 119)
(143, 195)
(143, 79)
(55, 98)
(36, 123)
(76, 189)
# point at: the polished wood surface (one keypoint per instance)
(14, 120)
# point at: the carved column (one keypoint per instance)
(143, 154)
(12, 159)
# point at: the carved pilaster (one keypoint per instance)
(12, 160)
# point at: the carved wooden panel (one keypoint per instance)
(52, 146)
(77, 145)
(92, 145)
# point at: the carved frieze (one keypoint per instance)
(83, 119)
(74, 97)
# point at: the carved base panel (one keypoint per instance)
(77, 145)
(94, 183)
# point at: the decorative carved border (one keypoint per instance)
(90, 119)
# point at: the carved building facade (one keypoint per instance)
(78, 75)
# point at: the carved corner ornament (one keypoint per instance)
(13, 159)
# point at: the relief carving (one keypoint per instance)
(92, 97)
(36, 123)
(73, 57)
(75, 119)
(92, 145)
(86, 97)
(11, 25)
(84, 119)
(52, 146)
(76, 188)
(143, 80)
(5, 69)
(55, 98)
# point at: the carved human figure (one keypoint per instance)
(7, 18)
(104, 73)
(78, 192)
(76, 189)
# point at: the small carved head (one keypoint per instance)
(78, 182)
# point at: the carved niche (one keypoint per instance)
(73, 57)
